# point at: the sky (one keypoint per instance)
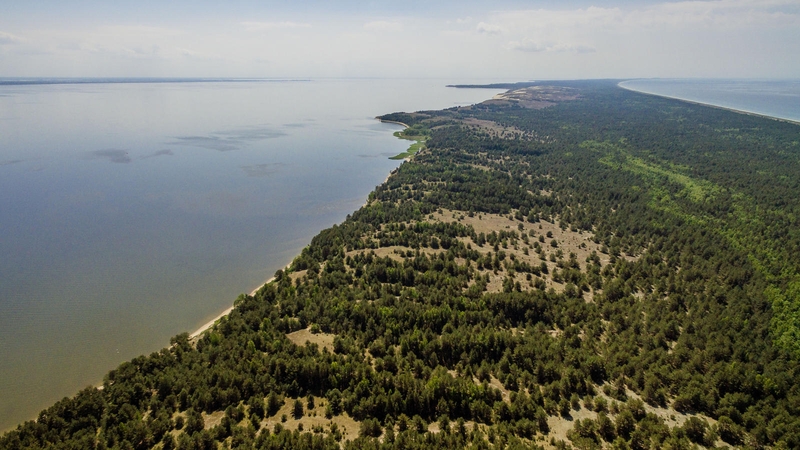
(499, 40)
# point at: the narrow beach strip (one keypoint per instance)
(211, 323)
(711, 105)
(393, 121)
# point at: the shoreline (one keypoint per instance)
(724, 108)
(407, 152)
(392, 121)
(205, 327)
(366, 202)
(208, 325)
(211, 322)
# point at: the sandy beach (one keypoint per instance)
(211, 322)
(725, 108)
(393, 121)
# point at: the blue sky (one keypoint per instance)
(510, 40)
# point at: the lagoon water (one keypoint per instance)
(774, 98)
(131, 212)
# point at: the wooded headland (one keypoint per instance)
(570, 264)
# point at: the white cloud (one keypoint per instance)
(187, 53)
(489, 28)
(532, 46)
(576, 48)
(548, 21)
(8, 38)
(725, 38)
(715, 14)
(528, 45)
(718, 13)
(137, 31)
(383, 25)
(129, 41)
(668, 26)
(263, 26)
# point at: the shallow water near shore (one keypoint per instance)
(134, 212)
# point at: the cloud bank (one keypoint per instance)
(720, 38)
(8, 38)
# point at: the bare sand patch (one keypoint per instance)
(302, 337)
(213, 419)
(469, 425)
(495, 383)
(579, 242)
(294, 276)
(494, 129)
(559, 426)
(540, 235)
(535, 97)
(670, 416)
(312, 418)
(382, 252)
(394, 252)
(546, 247)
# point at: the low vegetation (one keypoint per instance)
(417, 133)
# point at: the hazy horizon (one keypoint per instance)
(508, 40)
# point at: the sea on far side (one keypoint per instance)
(772, 98)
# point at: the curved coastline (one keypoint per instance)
(406, 156)
(393, 121)
(205, 317)
(205, 327)
(711, 105)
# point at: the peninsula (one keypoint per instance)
(567, 265)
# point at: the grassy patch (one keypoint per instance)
(744, 227)
(412, 150)
(419, 134)
(694, 189)
(785, 323)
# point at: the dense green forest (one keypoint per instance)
(578, 267)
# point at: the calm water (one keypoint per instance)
(774, 98)
(133, 212)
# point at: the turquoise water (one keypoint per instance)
(774, 98)
(131, 212)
